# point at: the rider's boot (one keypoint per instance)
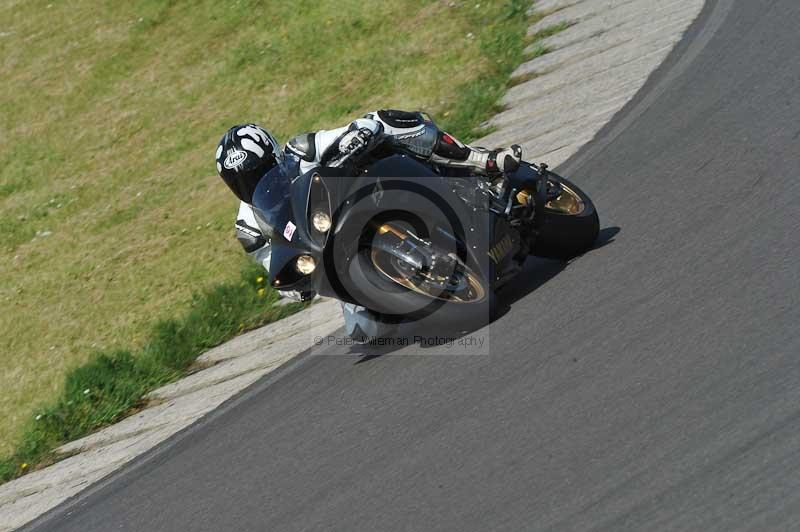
(364, 326)
(449, 151)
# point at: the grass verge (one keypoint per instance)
(112, 384)
(503, 46)
(110, 235)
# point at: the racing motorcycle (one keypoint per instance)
(405, 239)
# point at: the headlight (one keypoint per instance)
(321, 221)
(305, 264)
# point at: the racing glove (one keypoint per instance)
(357, 141)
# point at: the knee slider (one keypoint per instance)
(450, 148)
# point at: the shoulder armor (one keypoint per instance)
(304, 146)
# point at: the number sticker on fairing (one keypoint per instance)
(288, 231)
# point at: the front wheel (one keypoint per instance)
(570, 225)
(387, 281)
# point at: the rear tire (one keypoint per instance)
(564, 236)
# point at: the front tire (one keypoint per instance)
(377, 287)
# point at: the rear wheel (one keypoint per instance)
(570, 225)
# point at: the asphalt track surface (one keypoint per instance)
(652, 384)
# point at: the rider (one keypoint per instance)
(247, 152)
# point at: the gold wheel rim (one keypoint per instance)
(568, 202)
(474, 294)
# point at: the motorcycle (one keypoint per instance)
(404, 239)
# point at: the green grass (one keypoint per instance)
(111, 214)
(549, 31)
(477, 100)
(537, 50)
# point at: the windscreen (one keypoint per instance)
(273, 208)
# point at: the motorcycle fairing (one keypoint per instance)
(396, 184)
(279, 208)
